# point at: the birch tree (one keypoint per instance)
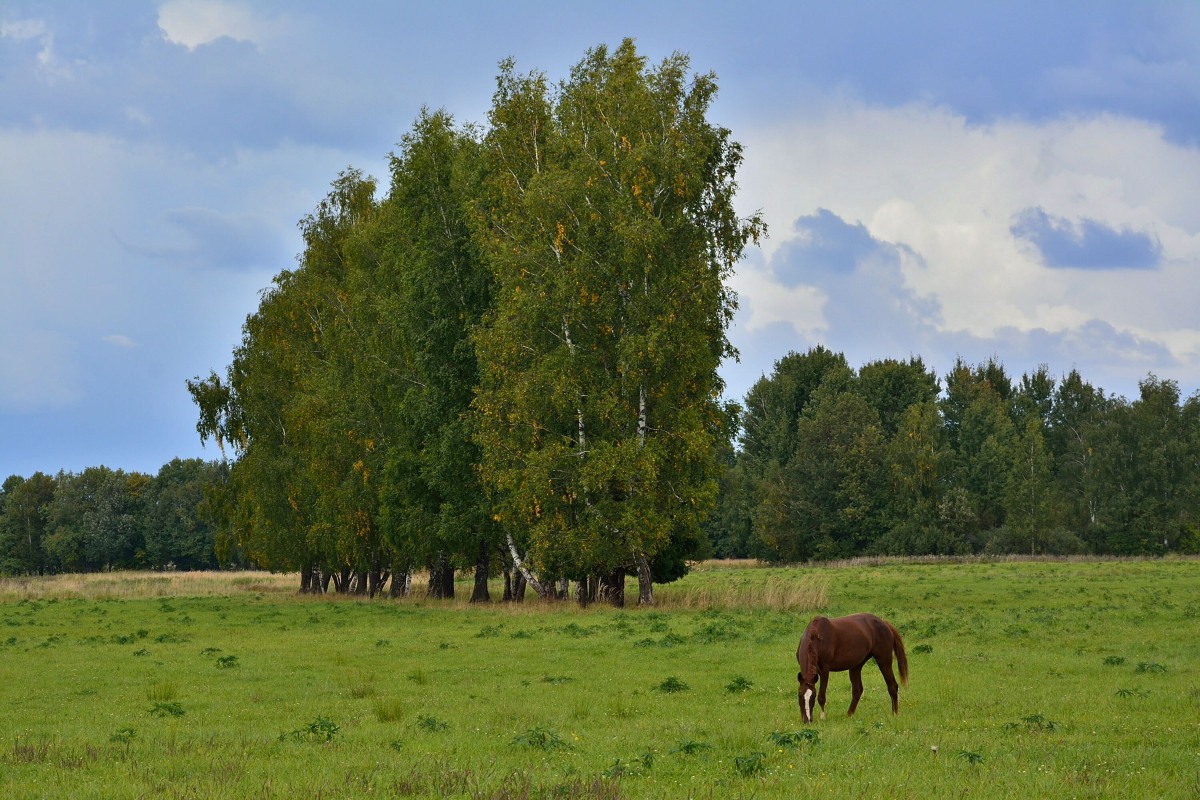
(607, 217)
(434, 289)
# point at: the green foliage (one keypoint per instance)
(750, 765)
(1036, 467)
(166, 709)
(540, 738)
(610, 229)
(175, 531)
(123, 735)
(1033, 723)
(94, 521)
(793, 739)
(320, 729)
(672, 685)
(431, 724)
(971, 757)
(739, 684)
(24, 523)
(690, 747)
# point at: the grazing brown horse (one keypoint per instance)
(832, 645)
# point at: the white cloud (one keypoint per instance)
(767, 302)
(25, 30)
(923, 179)
(193, 23)
(120, 340)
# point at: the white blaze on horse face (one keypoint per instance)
(808, 706)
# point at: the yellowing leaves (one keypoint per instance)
(560, 237)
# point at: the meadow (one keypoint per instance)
(1050, 679)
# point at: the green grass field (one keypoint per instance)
(1028, 679)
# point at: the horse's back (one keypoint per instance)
(877, 625)
(863, 631)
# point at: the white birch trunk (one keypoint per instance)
(519, 563)
(645, 579)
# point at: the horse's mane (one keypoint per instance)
(808, 653)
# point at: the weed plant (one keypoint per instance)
(1028, 679)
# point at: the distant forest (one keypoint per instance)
(508, 360)
(887, 459)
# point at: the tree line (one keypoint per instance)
(829, 463)
(835, 463)
(104, 519)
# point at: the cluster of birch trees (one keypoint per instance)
(508, 361)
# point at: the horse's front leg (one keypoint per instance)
(823, 679)
(856, 689)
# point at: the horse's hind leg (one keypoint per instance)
(885, 667)
(856, 688)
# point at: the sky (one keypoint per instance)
(947, 180)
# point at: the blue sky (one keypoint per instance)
(941, 179)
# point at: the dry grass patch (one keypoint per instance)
(128, 585)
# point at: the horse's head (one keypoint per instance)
(807, 676)
(807, 695)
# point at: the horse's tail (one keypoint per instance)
(901, 657)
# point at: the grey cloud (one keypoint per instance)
(870, 312)
(1086, 244)
(826, 245)
(208, 239)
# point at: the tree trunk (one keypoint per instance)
(401, 582)
(341, 580)
(612, 588)
(441, 579)
(645, 581)
(377, 580)
(480, 593)
(306, 580)
(526, 575)
(587, 590)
